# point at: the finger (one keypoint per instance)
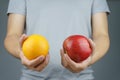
(77, 67)
(86, 62)
(73, 66)
(24, 60)
(31, 63)
(92, 44)
(41, 66)
(22, 39)
(35, 62)
(63, 60)
(70, 62)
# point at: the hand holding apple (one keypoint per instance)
(72, 66)
(77, 47)
(75, 66)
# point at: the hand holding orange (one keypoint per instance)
(35, 45)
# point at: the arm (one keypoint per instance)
(100, 36)
(14, 40)
(100, 44)
(14, 31)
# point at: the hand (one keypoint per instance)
(37, 64)
(73, 66)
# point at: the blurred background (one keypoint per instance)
(108, 68)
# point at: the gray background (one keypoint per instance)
(108, 68)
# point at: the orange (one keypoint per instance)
(35, 45)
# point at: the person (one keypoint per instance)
(56, 20)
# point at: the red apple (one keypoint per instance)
(77, 47)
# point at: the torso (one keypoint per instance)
(56, 20)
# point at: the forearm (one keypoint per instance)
(12, 45)
(101, 47)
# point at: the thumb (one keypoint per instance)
(92, 44)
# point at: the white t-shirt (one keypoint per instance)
(56, 20)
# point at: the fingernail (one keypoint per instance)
(41, 58)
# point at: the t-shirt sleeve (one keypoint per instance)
(100, 6)
(16, 6)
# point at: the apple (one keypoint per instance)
(77, 47)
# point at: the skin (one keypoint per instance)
(100, 43)
(15, 38)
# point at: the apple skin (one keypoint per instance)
(77, 47)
